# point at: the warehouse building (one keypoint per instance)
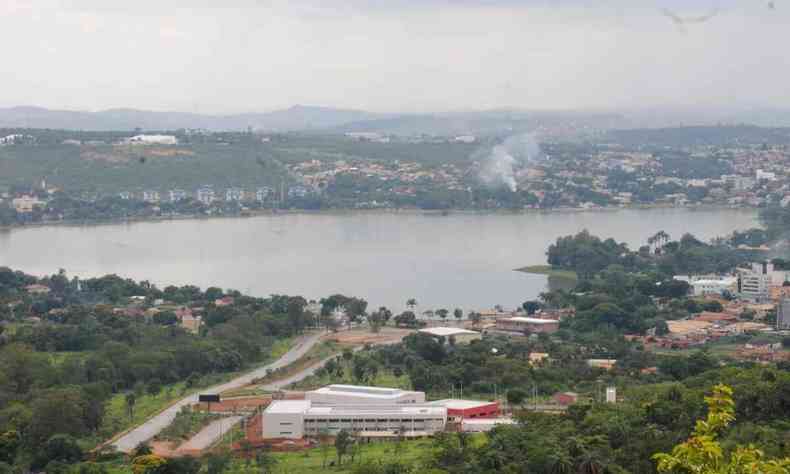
(527, 325)
(338, 394)
(299, 418)
(459, 335)
(464, 409)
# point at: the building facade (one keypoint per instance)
(754, 283)
(459, 335)
(527, 325)
(299, 418)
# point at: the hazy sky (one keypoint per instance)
(391, 55)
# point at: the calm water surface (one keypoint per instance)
(460, 260)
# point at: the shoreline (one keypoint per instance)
(548, 271)
(348, 211)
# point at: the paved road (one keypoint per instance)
(308, 371)
(153, 426)
(211, 433)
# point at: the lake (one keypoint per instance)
(458, 260)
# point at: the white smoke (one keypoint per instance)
(499, 167)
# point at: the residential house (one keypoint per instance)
(205, 195)
(177, 195)
(151, 196)
(234, 194)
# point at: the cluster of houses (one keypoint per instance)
(208, 194)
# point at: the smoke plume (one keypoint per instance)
(499, 167)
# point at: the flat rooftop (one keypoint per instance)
(288, 406)
(456, 404)
(447, 331)
(360, 391)
(306, 407)
(521, 319)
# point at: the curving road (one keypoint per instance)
(129, 440)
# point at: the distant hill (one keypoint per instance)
(294, 118)
(700, 136)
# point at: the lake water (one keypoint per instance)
(459, 260)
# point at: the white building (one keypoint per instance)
(459, 335)
(177, 195)
(152, 140)
(714, 287)
(358, 395)
(26, 204)
(765, 175)
(754, 283)
(611, 394)
(299, 418)
(483, 425)
(783, 315)
(205, 195)
(234, 194)
(151, 196)
(466, 138)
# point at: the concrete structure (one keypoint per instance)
(611, 394)
(299, 418)
(458, 334)
(205, 195)
(463, 409)
(753, 284)
(234, 194)
(177, 195)
(151, 196)
(483, 425)
(357, 395)
(714, 286)
(783, 314)
(527, 325)
(26, 204)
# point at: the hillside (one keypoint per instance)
(294, 118)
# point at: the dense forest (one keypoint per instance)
(65, 356)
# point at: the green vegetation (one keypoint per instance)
(186, 423)
(549, 271)
(125, 366)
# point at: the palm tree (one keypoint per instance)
(590, 465)
(442, 313)
(458, 313)
(475, 317)
(560, 464)
(411, 303)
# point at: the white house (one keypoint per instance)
(205, 195)
(459, 335)
(152, 140)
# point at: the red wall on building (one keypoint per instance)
(489, 410)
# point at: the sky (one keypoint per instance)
(393, 55)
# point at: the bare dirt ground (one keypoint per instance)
(364, 336)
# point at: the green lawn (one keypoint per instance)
(186, 424)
